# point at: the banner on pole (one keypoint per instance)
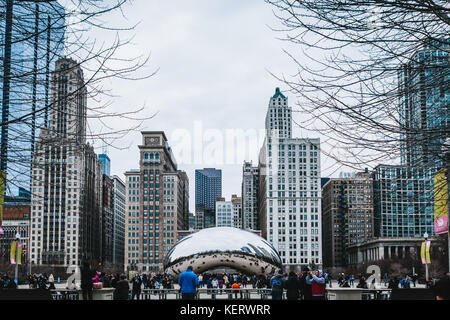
(425, 252)
(19, 254)
(440, 203)
(2, 197)
(13, 252)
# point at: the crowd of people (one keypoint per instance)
(7, 282)
(306, 285)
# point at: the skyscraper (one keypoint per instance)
(37, 41)
(208, 188)
(66, 211)
(119, 223)
(250, 182)
(157, 204)
(423, 85)
(107, 220)
(289, 192)
(106, 164)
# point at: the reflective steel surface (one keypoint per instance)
(223, 247)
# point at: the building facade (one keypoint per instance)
(157, 205)
(250, 183)
(66, 195)
(347, 216)
(107, 220)
(37, 42)
(224, 213)
(16, 215)
(289, 189)
(208, 187)
(118, 258)
(404, 201)
(106, 164)
(423, 105)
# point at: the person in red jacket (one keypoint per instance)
(318, 286)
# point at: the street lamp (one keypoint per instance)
(16, 272)
(426, 260)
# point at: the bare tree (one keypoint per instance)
(362, 66)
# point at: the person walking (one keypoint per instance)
(188, 282)
(292, 286)
(86, 280)
(352, 281)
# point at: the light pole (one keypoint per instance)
(426, 258)
(16, 271)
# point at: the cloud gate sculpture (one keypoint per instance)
(223, 247)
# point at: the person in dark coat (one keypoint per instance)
(442, 288)
(86, 281)
(292, 286)
(305, 288)
(122, 289)
(136, 288)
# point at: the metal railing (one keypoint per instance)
(376, 294)
(212, 294)
(65, 294)
(206, 294)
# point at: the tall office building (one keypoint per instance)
(66, 213)
(157, 205)
(347, 216)
(118, 258)
(208, 188)
(106, 164)
(107, 220)
(250, 176)
(37, 41)
(424, 105)
(289, 189)
(404, 201)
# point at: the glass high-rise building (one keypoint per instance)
(106, 164)
(404, 194)
(404, 202)
(424, 101)
(208, 187)
(37, 41)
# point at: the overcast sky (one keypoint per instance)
(214, 59)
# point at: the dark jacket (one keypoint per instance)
(137, 282)
(292, 286)
(305, 288)
(86, 278)
(122, 290)
(277, 283)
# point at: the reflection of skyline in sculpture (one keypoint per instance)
(223, 247)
